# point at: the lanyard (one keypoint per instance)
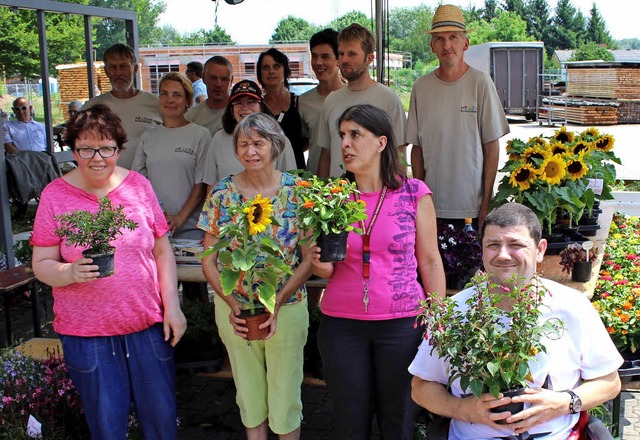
(366, 249)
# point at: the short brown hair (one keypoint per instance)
(98, 119)
(356, 32)
(121, 50)
(184, 82)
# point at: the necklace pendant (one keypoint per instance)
(365, 300)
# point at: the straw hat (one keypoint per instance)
(448, 18)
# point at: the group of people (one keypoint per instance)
(240, 142)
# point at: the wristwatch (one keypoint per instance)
(576, 403)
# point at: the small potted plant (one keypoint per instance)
(574, 259)
(485, 354)
(328, 209)
(241, 254)
(96, 231)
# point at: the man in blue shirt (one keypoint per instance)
(24, 133)
(194, 73)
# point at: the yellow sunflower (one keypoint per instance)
(536, 152)
(522, 177)
(558, 148)
(258, 214)
(604, 143)
(576, 168)
(591, 131)
(553, 170)
(563, 135)
(581, 147)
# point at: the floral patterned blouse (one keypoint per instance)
(215, 215)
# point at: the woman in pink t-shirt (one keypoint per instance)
(367, 337)
(117, 332)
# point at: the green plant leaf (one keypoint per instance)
(225, 257)
(493, 368)
(267, 295)
(229, 279)
(221, 244)
(241, 261)
(477, 387)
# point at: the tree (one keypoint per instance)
(516, 6)
(203, 36)
(563, 35)
(597, 28)
(592, 51)
(629, 43)
(293, 28)
(538, 19)
(109, 32)
(490, 10)
(507, 26)
(168, 35)
(350, 18)
(407, 27)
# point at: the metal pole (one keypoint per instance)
(5, 214)
(88, 50)
(44, 73)
(380, 55)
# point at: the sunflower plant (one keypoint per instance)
(329, 206)
(551, 175)
(489, 349)
(251, 261)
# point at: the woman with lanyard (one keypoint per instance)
(367, 336)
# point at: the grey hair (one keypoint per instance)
(265, 126)
(76, 104)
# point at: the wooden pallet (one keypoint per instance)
(605, 82)
(629, 111)
(582, 115)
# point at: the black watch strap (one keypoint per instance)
(575, 406)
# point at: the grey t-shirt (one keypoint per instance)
(310, 106)
(202, 115)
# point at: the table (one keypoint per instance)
(10, 281)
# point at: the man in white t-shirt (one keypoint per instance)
(324, 62)
(137, 109)
(355, 53)
(217, 76)
(577, 372)
(194, 73)
(454, 123)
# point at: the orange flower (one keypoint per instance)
(303, 183)
(309, 204)
(362, 202)
(624, 317)
(611, 330)
(343, 181)
(336, 189)
(627, 306)
(624, 332)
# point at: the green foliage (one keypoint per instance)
(486, 355)
(407, 27)
(629, 43)
(538, 19)
(597, 29)
(350, 18)
(507, 26)
(327, 206)
(94, 230)
(293, 28)
(203, 36)
(23, 251)
(592, 51)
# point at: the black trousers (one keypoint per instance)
(365, 364)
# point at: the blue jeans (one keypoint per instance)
(111, 372)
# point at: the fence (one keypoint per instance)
(20, 90)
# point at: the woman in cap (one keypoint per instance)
(221, 160)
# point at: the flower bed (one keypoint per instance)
(617, 293)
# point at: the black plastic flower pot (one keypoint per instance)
(512, 407)
(581, 271)
(104, 261)
(333, 247)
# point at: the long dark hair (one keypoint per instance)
(229, 122)
(278, 57)
(377, 121)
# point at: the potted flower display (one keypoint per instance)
(574, 259)
(241, 251)
(96, 231)
(489, 349)
(461, 254)
(555, 176)
(328, 209)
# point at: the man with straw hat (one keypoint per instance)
(454, 123)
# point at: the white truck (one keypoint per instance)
(516, 68)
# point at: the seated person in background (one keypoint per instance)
(578, 371)
(24, 134)
(194, 73)
(59, 130)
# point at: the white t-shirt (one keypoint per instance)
(202, 115)
(310, 106)
(221, 160)
(137, 114)
(173, 160)
(451, 121)
(583, 351)
(338, 101)
(26, 136)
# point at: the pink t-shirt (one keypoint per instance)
(129, 300)
(394, 290)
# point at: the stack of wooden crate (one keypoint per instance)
(73, 83)
(603, 93)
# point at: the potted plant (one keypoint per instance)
(574, 259)
(241, 255)
(461, 254)
(96, 231)
(485, 354)
(328, 209)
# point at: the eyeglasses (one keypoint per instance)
(248, 103)
(23, 108)
(89, 153)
